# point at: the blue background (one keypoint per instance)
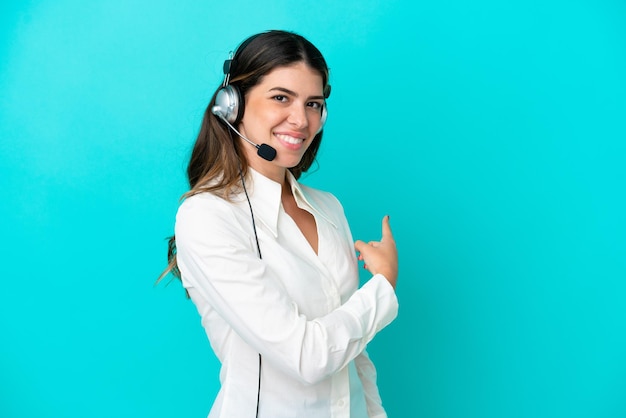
(492, 132)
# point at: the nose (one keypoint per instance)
(298, 116)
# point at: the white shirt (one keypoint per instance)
(300, 310)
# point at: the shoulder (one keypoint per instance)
(324, 202)
(321, 197)
(200, 204)
(205, 213)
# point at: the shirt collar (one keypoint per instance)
(265, 197)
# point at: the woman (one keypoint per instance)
(269, 262)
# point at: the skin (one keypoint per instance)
(284, 111)
(381, 256)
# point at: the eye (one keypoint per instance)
(280, 98)
(315, 105)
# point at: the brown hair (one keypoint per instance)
(217, 161)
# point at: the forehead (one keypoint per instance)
(292, 76)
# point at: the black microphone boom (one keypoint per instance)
(264, 151)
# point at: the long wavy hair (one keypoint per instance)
(217, 161)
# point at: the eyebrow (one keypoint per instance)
(293, 93)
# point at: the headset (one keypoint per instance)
(229, 103)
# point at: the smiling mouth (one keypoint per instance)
(289, 139)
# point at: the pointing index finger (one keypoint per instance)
(386, 228)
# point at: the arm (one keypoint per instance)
(217, 260)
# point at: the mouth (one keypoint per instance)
(290, 139)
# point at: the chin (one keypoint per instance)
(291, 164)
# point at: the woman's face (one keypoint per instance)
(283, 111)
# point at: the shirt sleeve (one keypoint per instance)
(367, 374)
(218, 261)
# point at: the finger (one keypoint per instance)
(386, 229)
(358, 245)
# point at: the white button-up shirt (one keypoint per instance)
(300, 310)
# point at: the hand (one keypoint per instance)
(381, 256)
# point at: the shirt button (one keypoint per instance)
(341, 403)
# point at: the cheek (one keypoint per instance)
(315, 116)
(308, 144)
(264, 117)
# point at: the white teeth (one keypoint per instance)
(289, 139)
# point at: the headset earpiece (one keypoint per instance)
(324, 108)
(322, 119)
(229, 104)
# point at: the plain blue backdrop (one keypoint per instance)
(492, 132)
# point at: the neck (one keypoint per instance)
(286, 190)
(268, 169)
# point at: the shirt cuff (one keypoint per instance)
(375, 305)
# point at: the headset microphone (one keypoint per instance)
(264, 151)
